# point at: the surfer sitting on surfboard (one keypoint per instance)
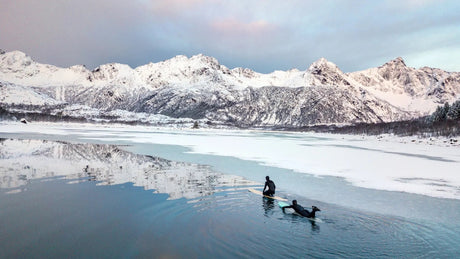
(271, 187)
(299, 209)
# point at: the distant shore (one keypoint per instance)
(346, 131)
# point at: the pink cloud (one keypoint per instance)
(233, 27)
(243, 39)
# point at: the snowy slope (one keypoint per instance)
(11, 94)
(411, 89)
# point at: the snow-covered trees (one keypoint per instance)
(446, 112)
(440, 114)
(454, 111)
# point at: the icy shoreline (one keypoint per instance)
(403, 164)
(188, 125)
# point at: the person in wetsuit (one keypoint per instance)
(299, 209)
(271, 187)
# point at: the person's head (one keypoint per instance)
(294, 202)
(314, 208)
(267, 178)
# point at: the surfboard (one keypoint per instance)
(289, 210)
(283, 204)
(270, 197)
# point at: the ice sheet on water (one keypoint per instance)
(364, 162)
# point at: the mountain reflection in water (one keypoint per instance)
(25, 160)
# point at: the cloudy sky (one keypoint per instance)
(263, 35)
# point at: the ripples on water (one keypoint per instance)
(109, 210)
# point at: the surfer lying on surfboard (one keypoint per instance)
(299, 209)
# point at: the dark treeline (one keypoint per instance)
(420, 127)
(416, 127)
(38, 116)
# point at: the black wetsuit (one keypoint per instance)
(299, 209)
(271, 188)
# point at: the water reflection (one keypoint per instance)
(298, 220)
(268, 205)
(24, 160)
(314, 227)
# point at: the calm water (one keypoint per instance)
(68, 198)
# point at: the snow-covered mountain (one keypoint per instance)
(200, 88)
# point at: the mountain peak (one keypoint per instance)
(245, 72)
(112, 72)
(203, 57)
(321, 61)
(113, 67)
(206, 60)
(16, 58)
(16, 54)
(196, 61)
(321, 65)
(397, 62)
(324, 72)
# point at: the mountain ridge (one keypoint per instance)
(200, 87)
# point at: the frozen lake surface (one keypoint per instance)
(139, 191)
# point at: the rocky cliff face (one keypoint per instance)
(201, 88)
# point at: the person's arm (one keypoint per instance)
(286, 207)
(265, 186)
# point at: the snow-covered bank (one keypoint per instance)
(420, 166)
